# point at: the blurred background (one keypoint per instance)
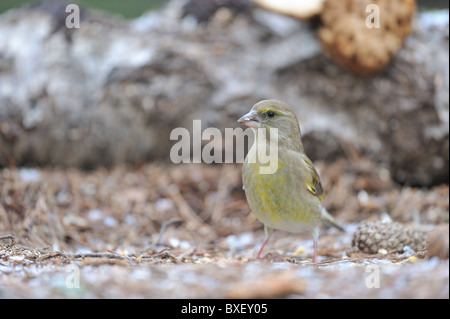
(135, 8)
(86, 115)
(131, 9)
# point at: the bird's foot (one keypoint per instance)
(267, 257)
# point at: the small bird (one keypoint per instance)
(290, 197)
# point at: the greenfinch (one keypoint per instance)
(290, 197)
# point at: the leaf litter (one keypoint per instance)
(186, 231)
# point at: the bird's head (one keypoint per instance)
(274, 114)
(269, 114)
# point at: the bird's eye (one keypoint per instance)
(270, 114)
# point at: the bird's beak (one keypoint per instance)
(250, 119)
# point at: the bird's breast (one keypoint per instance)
(279, 200)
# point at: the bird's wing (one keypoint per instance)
(312, 182)
(315, 187)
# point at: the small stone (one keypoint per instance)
(438, 242)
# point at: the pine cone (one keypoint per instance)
(353, 45)
(437, 245)
(371, 236)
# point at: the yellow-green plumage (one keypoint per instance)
(277, 199)
(290, 199)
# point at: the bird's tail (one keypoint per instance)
(330, 220)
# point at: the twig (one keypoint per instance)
(97, 255)
(186, 253)
(349, 150)
(168, 255)
(43, 255)
(357, 259)
(157, 243)
(31, 244)
(193, 221)
(4, 217)
(10, 237)
(221, 195)
(51, 255)
(164, 226)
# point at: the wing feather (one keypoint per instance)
(313, 183)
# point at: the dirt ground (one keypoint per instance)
(186, 231)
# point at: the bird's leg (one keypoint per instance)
(315, 234)
(258, 256)
(315, 252)
(268, 231)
